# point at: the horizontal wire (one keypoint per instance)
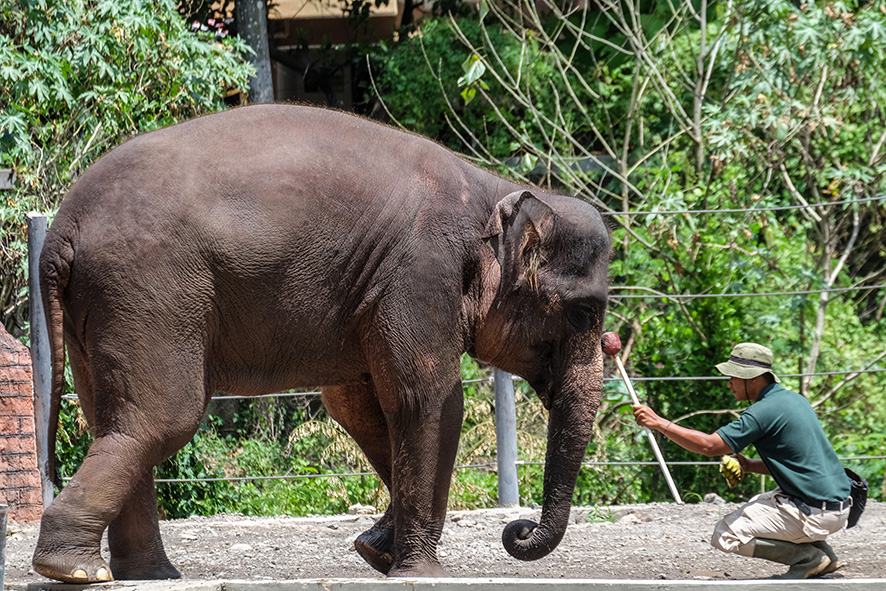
(749, 210)
(781, 375)
(519, 379)
(693, 296)
(461, 467)
(235, 397)
(279, 394)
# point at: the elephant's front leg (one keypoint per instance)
(424, 433)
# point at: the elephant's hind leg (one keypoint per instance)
(133, 433)
(357, 410)
(68, 548)
(134, 538)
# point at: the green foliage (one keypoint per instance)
(308, 488)
(771, 104)
(73, 441)
(78, 77)
(199, 494)
(429, 79)
(599, 515)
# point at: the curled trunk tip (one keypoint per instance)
(524, 540)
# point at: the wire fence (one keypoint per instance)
(743, 210)
(491, 466)
(700, 296)
(318, 393)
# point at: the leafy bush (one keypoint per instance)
(200, 494)
(792, 115)
(77, 77)
(429, 79)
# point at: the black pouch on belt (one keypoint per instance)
(859, 496)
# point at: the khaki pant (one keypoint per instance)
(774, 515)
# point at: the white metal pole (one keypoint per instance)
(506, 439)
(649, 434)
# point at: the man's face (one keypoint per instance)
(738, 387)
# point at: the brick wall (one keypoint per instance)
(19, 478)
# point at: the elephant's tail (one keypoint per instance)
(55, 272)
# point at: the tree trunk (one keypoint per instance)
(252, 26)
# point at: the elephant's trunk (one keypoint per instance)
(572, 414)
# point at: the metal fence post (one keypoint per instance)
(40, 360)
(506, 439)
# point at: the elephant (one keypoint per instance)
(272, 247)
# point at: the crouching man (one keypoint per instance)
(787, 525)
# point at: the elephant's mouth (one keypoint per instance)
(543, 382)
(543, 391)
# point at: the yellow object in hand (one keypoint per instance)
(731, 471)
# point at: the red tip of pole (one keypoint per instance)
(610, 343)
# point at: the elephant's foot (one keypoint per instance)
(419, 570)
(376, 545)
(141, 568)
(68, 547)
(72, 568)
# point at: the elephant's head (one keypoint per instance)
(544, 324)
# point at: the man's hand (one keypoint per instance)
(646, 417)
(731, 470)
(695, 441)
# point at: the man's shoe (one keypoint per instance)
(835, 562)
(805, 560)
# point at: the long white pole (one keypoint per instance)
(652, 441)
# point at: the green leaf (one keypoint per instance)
(473, 68)
(468, 94)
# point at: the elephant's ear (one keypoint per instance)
(514, 232)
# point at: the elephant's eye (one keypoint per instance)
(580, 318)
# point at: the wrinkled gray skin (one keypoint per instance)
(274, 247)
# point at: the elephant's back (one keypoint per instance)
(273, 164)
(275, 205)
(268, 183)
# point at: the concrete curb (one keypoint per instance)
(466, 584)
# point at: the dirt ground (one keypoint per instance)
(653, 541)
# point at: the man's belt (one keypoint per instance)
(806, 506)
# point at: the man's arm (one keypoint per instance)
(708, 444)
(751, 465)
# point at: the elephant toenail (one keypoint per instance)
(103, 574)
(79, 574)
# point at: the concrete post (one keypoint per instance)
(3, 509)
(40, 358)
(506, 439)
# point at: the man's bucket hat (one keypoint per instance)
(748, 360)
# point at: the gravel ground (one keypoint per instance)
(652, 541)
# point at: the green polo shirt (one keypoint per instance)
(783, 427)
